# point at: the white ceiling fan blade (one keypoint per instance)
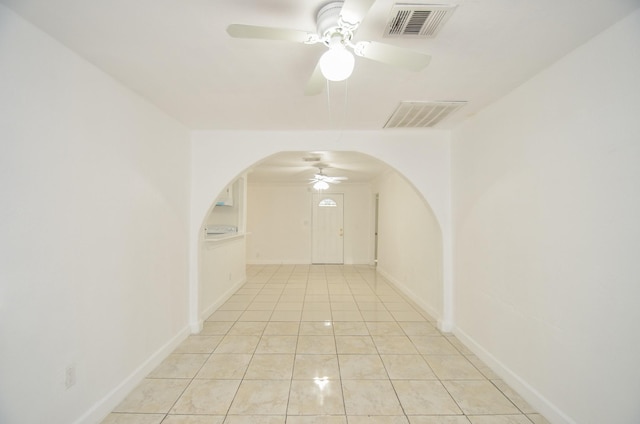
(269, 33)
(316, 83)
(354, 11)
(392, 55)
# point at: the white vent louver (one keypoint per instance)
(421, 114)
(417, 20)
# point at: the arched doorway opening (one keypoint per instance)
(274, 201)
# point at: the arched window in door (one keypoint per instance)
(327, 203)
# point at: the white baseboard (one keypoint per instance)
(541, 404)
(220, 301)
(103, 407)
(410, 294)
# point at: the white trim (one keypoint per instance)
(410, 294)
(225, 296)
(541, 404)
(107, 404)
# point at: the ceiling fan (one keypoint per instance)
(321, 181)
(337, 23)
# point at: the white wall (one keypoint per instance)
(222, 271)
(93, 232)
(422, 157)
(279, 223)
(546, 189)
(409, 243)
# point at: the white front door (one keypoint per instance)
(328, 230)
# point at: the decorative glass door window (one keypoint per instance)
(327, 203)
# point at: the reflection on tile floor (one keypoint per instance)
(321, 344)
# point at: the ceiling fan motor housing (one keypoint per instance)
(329, 23)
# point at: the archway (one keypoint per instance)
(422, 177)
(421, 159)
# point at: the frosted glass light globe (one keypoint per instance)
(337, 64)
(321, 185)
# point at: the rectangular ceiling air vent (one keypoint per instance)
(417, 20)
(421, 114)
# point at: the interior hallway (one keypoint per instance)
(321, 344)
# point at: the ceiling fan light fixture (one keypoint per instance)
(320, 185)
(337, 63)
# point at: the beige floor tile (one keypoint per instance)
(233, 306)
(325, 345)
(247, 328)
(153, 396)
(477, 397)
(316, 344)
(194, 419)
(499, 419)
(255, 316)
(385, 329)
(180, 365)
(238, 344)
(433, 345)
(355, 345)
(215, 328)
(277, 344)
(382, 419)
(198, 344)
(282, 328)
(255, 419)
(315, 328)
(308, 367)
(316, 315)
(514, 397)
(398, 306)
(347, 316)
(289, 306)
(222, 315)
(225, 366)
(422, 397)
(350, 329)
(394, 345)
(419, 329)
(207, 397)
(316, 419)
(361, 367)
(344, 306)
(376, 315)
(442, 419)
(453, 367)
(270, 367)
(407, 367)
(261, 397)
(483, 368)
(289, 316)
(261, 306)
(315, 397)
(370, 397)
(410, 315)
(123, 418)
(458, 345)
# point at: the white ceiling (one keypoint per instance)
(291, 167)
(177, 54)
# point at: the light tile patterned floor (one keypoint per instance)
(314, 344)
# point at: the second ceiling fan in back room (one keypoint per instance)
(321, 181)
(337, 23)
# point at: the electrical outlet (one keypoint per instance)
(70, 376)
